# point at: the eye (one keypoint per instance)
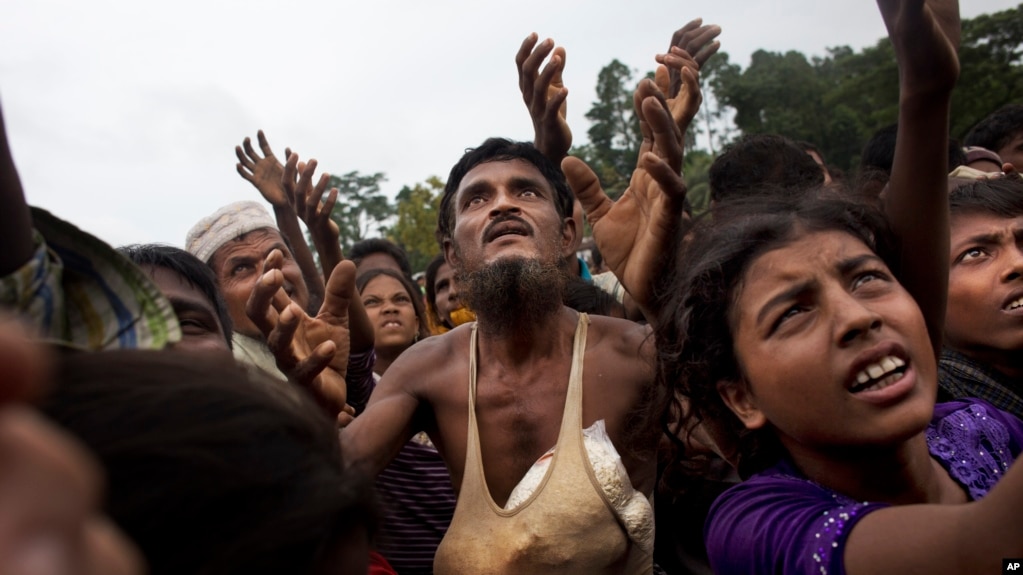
(403, 299)
(241, 268)
(371, 301)
(868, 277)
(971, 254)
(195, 326)
(529, 193)
(475, 200)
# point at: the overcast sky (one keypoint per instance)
(123, 115)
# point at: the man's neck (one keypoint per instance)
(519, 343)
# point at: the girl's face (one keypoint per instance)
(834, 351)
(390, 310)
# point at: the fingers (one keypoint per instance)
(280, 339)
(586, 186)
(668, 180)
(247, 143)
(327, 206)
(338, 292)
(700, 43)
(289, 177)
(528, 73)
(243, 160)
(263, 144)
(668, 141)
(259, 307)
(676, 38)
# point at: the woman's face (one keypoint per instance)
(834, 351)
(390, 310)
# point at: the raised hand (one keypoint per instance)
(545, 95)
(925, 35)
(313, 209)
(262, 172)
(690, 48)
(312, 351)
(639, 231)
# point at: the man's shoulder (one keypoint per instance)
(623, 334)
(432, 358)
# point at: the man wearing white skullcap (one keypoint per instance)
(234, 241)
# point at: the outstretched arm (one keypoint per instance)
(315, 212)
(638, 232)
(925, 36)
(264, 173)
(15, 218)
(545, 95)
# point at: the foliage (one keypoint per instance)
(614, 136)
(838, 101)
(361, 211)
(418, 208)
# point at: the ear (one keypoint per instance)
(739, 398)
(450, 255)
(570, 238)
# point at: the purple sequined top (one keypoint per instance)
(780, 522)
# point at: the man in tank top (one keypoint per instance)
(506, 227)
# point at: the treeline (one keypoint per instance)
(835, 102)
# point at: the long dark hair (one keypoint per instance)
(694, 334)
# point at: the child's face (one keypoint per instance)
(835, 352)
(985, 285)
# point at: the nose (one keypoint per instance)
(1014, 266)
(855, 320)
(503, 202)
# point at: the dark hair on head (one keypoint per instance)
(413, 293)
(997, 129)
(198, 274)
(501, 150)
(878, 154)
(588, 298)
(1002, 197)
(364, 248)
(694, 335)
(212, 467)
(762, 161)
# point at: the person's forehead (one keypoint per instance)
(252, 243)
(384, 284)
(496, 171)
(973, 223)
(443, 273)
(812, 253)
(177, 287)
(379, 260)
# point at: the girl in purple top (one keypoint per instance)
(811, 366)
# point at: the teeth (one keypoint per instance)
(1015, 304)
(877, 371)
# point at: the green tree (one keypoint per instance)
(418, 207)
(839, 100)
(614, 135)
(361, 211)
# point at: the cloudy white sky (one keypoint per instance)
(123, 115)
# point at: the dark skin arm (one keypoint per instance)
(925, 36)
(325, 233)
(944, 538)
(264, 173)
(15, 218)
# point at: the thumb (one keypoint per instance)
(586, 187)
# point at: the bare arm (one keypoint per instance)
(941, 539)
(315, 211)
(15, 218)
(376, 436)
(925, 35)
(264, 173)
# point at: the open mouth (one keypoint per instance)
(1014, 304)
(880, 374)
(509, 227)
(387, 324)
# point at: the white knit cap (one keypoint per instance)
(224, 225)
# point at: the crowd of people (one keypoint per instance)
(823, 373)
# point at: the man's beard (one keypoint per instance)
(513, 293)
